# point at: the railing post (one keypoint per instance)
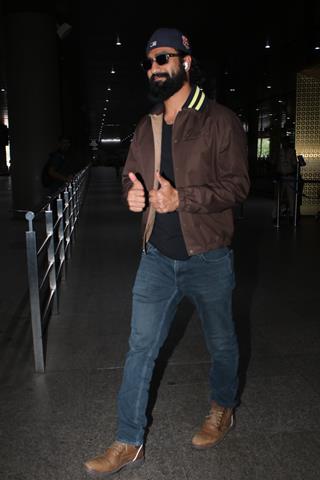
(61, 241)
(67, 220)
(77, 195)
(51, 258)
(33, 277)
(296, 194)
(72, 204)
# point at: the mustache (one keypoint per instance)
(159, 75)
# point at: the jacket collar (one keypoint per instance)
(196, 101)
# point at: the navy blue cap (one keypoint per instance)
(169, 37)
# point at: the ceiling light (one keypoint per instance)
(63, 30)
(111, 140)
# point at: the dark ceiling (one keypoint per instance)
(228, 39)
(225, 38)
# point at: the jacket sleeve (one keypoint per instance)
(230, 184)
(130, 166)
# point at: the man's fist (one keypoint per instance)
(166, 198)
(136, 195)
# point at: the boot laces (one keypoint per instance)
(215, 416)
(118, 447)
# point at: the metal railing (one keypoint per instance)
(294, 184)
(52, 228)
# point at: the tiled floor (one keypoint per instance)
(51, 423)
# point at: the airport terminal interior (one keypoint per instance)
(58, 388)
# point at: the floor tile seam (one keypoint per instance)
(200, 362)
(120, 367)
(49, 370)
(60, 329)
(294, 376)
(254, 376)
(263, 356)
(83, 370)
(296, 328)
(269, 431)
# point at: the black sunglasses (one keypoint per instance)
(161, 59)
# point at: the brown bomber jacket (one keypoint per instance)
(209, 153)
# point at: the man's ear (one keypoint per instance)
(187, 62)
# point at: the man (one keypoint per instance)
(286, 171)
(56, 171)
(185, 170)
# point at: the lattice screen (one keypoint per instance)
(307, 137)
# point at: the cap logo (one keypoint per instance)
(185, 42)
(168, 37)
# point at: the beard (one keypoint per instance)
(159, 91)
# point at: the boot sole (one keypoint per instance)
(205, 447)
(128, 466)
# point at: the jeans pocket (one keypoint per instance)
(216, 256)
(151, 249)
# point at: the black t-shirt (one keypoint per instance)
(167, 235)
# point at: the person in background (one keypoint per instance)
(285, 173)
(57, 171)
(186, 170)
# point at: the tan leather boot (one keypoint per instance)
(216, 425)
(118, 456)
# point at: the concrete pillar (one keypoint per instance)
(3, 144)
(253, 124)
(3, 102)
(33, 101)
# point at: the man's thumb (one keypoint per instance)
(132, 177)
(162, 181)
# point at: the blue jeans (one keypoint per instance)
(207, 280)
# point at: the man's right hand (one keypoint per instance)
(136, 195)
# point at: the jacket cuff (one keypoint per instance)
(182, 199)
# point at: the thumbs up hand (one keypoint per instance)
(166, 198)
(136, 196)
